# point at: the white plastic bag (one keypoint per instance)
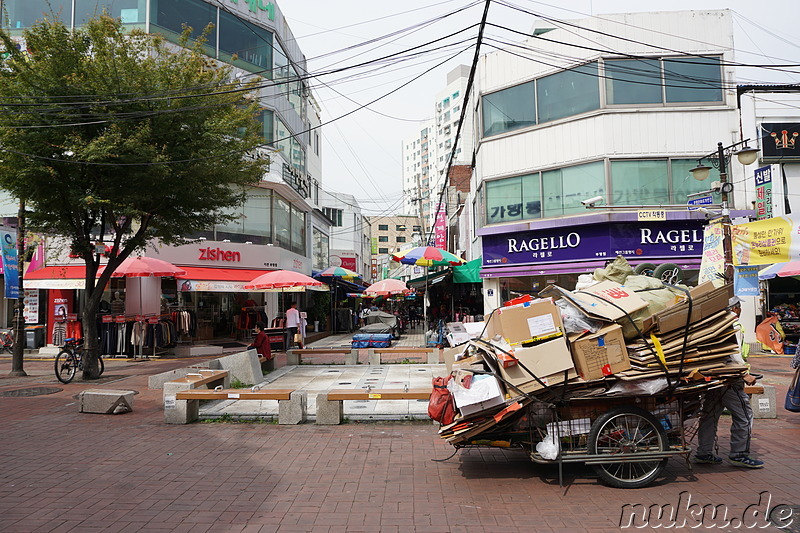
(639, 386)
(548, 448)
(585, 281)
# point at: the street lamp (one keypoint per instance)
(720, 159)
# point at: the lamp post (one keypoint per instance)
(720, 159)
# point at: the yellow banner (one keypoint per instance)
(764, 242)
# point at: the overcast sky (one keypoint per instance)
(362, 151)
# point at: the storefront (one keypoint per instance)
(210, 296)
(525, 258)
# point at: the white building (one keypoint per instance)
(619, 107)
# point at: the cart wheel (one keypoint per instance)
(628, 430)
(645, 269)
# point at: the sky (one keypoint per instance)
(368, 111)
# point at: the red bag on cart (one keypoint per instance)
(441, 406)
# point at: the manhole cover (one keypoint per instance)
(785, 517)
(31, 391)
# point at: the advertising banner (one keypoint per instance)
(763, 178)
(670, 239)
(764, 242)
(31, 310)
(745, 281)
(712, 265)
(8, 237)
(440, 228)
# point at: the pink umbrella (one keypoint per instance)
(386, 287)
(283, 280)
(143, 267)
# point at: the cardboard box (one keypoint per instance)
(524, 322)
(553, 379)
(543, 360)
(600, 354)
(596, 303)
(484, 393)
(706, 300)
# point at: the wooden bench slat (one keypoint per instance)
(321, 350)
(206, 377)
(408, 349)
(754, 389)
(378, 394)
(235, 394)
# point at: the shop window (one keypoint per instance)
(509, 109)
(568, 93)
(563, 189)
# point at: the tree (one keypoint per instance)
(121, 137)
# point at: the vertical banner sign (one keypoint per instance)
(763, 177)
(712, 265)
(10, 264)
(31, 310)
(745, 280)
(440, 228)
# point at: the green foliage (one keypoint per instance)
(236, 384)
(319, 306)
(100, 128)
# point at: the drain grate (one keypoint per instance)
(345, 383)
(30, 391)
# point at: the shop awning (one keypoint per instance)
(433, 279)
(56, 277)
(469, 272)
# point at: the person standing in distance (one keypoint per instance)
(292, 324)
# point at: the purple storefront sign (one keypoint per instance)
(672, 240)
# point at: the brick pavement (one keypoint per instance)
(65, 471)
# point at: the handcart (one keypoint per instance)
(625, 425)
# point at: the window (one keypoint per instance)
(693, 79)
(509, 109)
(563, 189)
(517, 198)
(401, 239)
(383, 238)
(169, 16)
(639, 182)
(383, 227)
(400, 227)
(129, 11)
(250, 45)
(298, 234)
(267, 119)
(383, 250)
(568, 93)
(683, 183)
(417, 228)
(334, 214)
(455, 95)
(633, 81)
(25, 13)
(281, 221)
(446, 102)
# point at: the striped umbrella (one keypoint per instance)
(338, 272)
(783, 270)
(427, 256)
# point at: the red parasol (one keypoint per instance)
(287, 280)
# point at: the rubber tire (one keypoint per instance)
(66, 360)
(605, 471)
(645, 269)
(101, 365)
(666, 267)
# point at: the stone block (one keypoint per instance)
(764, 405)
(329, 412)
(351, 358)
(433, 357)
(179, 411)
(106, 401)
(268, 365)
(243, 366)
(373, 358)
(293, 410)
(292, 358)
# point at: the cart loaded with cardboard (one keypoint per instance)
(611, 375)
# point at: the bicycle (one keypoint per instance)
(70, 359)
(8, 342)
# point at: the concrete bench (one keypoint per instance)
(431, 355)
(295, 357)
(106, 401)
(291, 403)
(174, 412)
(330, 404)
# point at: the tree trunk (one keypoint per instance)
(89, 314)
(18, 357)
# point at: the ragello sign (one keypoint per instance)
(598, 241)
(218, 254)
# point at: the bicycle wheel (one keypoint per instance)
(66, 366)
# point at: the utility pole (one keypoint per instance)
(17, 357)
